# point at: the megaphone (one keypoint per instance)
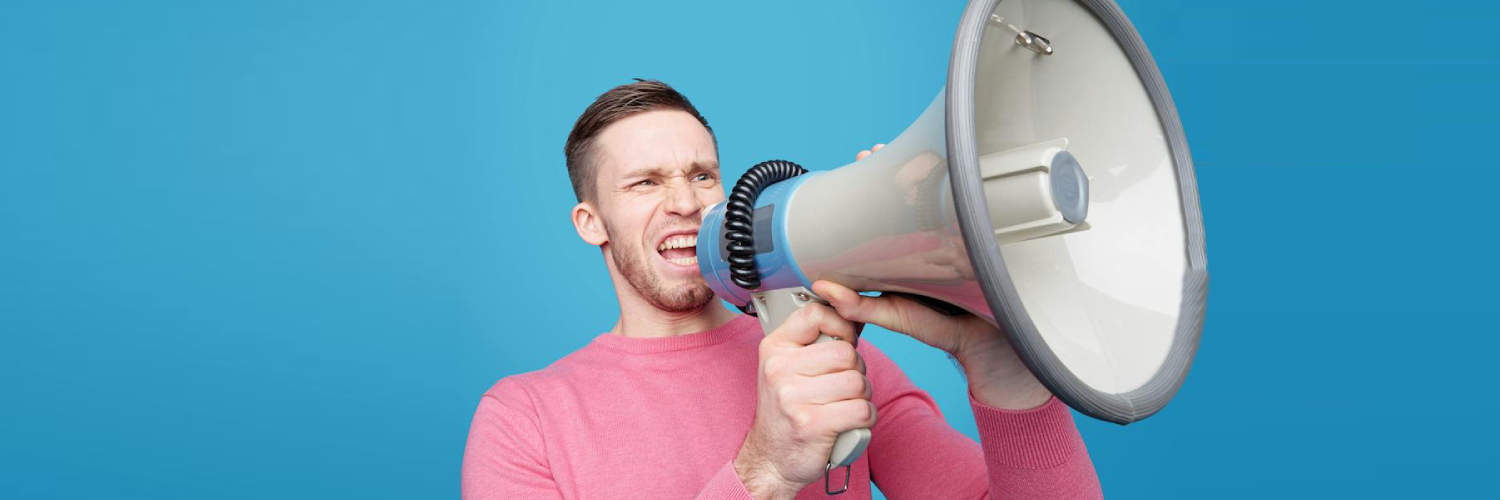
(1047, 189)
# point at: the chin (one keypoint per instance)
(684, 297)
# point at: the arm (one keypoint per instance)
(1035, 453)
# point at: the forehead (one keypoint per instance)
(668, 139)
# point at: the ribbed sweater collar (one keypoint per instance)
(698, 340)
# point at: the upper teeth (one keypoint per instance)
(679, 241)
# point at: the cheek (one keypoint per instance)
(634, 219)
(711, 195)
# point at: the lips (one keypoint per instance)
(680, 249)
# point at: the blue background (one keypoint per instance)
(268, 249)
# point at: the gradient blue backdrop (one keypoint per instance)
(277, 249)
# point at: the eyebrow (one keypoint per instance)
(661, 171)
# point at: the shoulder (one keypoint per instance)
(523, 391)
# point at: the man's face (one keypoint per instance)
(656, 173)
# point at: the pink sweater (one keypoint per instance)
(664, 417)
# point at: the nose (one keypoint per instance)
(682, 200)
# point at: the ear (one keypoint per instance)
(588, 224)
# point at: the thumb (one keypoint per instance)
(855, 307)
(898, 314)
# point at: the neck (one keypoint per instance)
(639, 318)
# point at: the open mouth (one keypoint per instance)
(680, 249)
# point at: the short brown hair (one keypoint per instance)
(617, 104)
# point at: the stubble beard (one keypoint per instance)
(632, 262)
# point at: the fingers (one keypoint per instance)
(801, 327)
(827, 388)
(952, 334)
(833, 325)
(897, 314)
(804, 326)
(846, 415)
(882, 311)
(817, 360)
(827, 357)
(868, 152)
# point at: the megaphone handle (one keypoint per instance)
(773, 307)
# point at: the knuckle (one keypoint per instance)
(785, 395)
(844, 356)
(775, 366)
(767, 346)
(854, 382)
(801, 419)
(813, 313)
(862, 412)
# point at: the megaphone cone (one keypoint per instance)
(1048, 189)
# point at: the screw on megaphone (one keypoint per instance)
(1026, 38)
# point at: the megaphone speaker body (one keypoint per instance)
(1048, 189)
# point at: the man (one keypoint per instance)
(683, 398)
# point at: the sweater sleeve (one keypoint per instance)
(725, 485)
(505, 457)
(914, 453)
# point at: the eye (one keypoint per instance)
(647, 182)
(703, 177)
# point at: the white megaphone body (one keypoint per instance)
(1048, 189)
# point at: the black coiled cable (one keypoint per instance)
(739, 217)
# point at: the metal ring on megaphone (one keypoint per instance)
(828, 486)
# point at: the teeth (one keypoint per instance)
(685, 261)
(679, 241)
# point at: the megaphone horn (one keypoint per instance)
(1047, 189)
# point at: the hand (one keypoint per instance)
(807, 394)
(997, 377)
